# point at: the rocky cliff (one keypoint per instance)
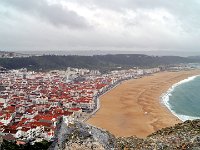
(83, 137)
(185, 136)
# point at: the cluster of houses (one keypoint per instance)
(32, 104)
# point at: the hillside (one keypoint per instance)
(82, 136)
(100, 62)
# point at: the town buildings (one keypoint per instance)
(32, 104)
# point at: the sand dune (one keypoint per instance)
(134, 108)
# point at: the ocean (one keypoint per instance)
(183, 99)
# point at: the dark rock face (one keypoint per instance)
(183, 136)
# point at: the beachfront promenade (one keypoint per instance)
(97, 100)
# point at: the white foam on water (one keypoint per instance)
(165, 99)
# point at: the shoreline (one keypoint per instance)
(134, 107)
(164, 98)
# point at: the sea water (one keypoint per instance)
(183, 99)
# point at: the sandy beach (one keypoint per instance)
(134, 107)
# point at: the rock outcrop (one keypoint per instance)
(83, 137)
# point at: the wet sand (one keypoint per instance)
(134, 107)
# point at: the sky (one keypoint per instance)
(161, 25)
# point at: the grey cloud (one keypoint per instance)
(178, 5)
(54, 13)
(137, 30)
(186, 11)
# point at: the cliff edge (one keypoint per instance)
(182, 136)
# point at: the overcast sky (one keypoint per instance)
(100, 25)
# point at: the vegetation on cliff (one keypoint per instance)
(182, 136)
